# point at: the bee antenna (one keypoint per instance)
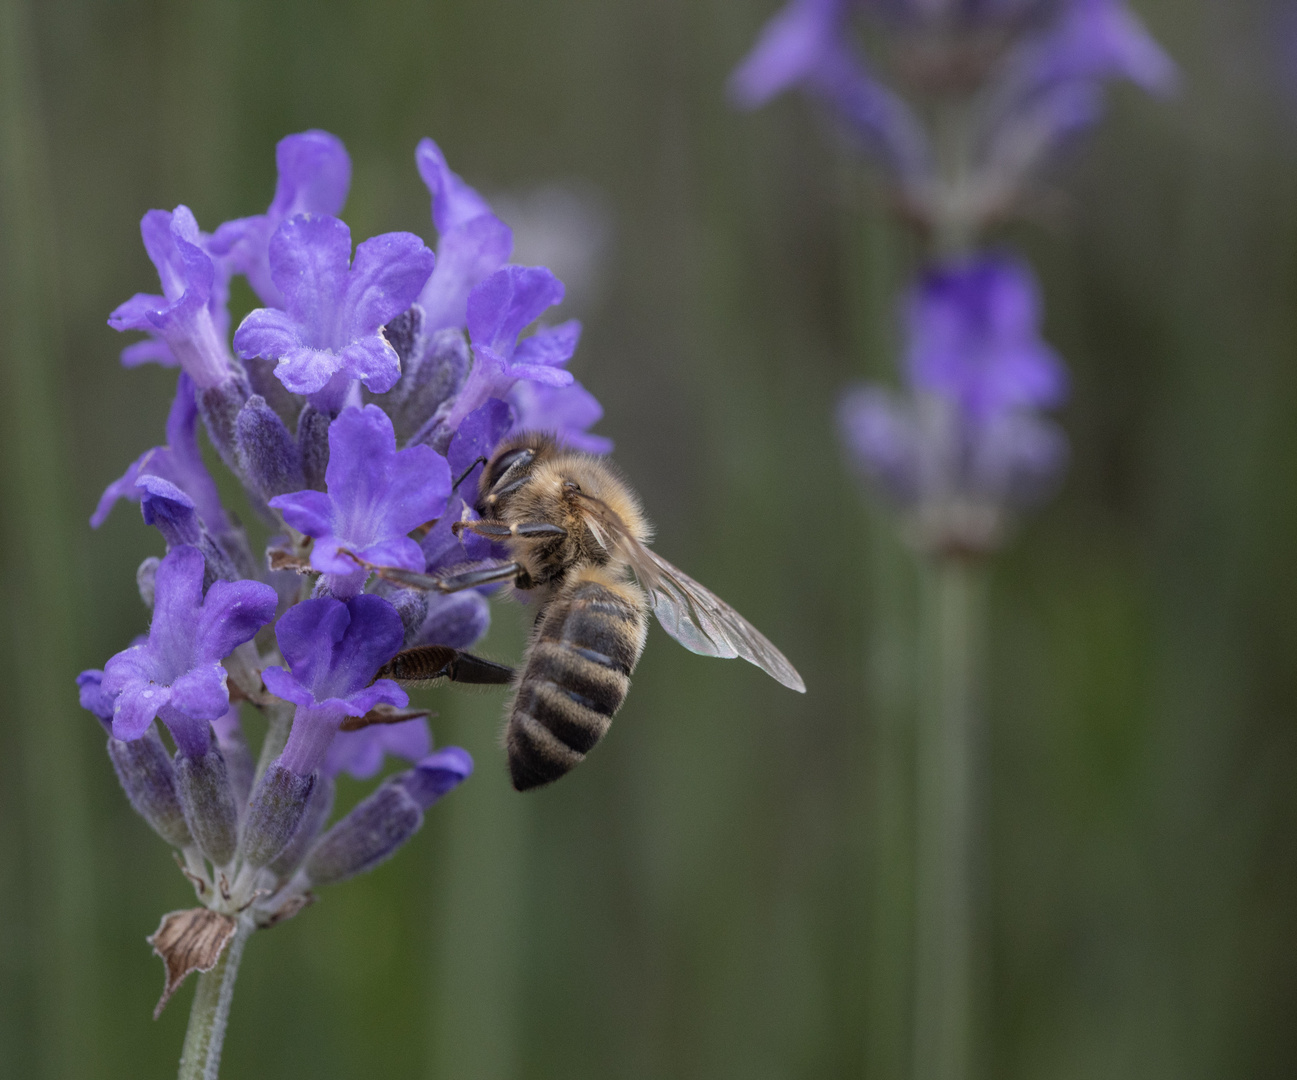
(464, 475)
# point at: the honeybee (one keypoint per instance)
(576, 534)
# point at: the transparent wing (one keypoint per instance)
(691, 613)
(704, 623)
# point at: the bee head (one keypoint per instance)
(510, 468)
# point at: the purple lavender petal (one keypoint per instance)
(93, 699)
(188, 471)
(267, 332)
(334, 312)
(190, 318)
(232, 613)
(567, 411)
(376, 496)
(148, 351)
(788, 50)
(1098, 40)
(309, 259)
(201, 692)
(503, 305)
(465, 257)
(550, 346)
(170, 510)
(314, 175)
(498, 310)
(334, 650)
(175, 675)
(121, 488)
(475, 438)
(437, 774)
(454, 203)
(364, 465)
(309, 512)
(360, 753)
(179, 462)
(385, 279)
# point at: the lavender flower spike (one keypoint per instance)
(472, 244)
(177, 675)
(314, 175)
(499, 309)
(376, 496)
(333, 311)
(189, 316)
(333, 650)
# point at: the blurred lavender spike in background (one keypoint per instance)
(962, 447)
(1027, 77)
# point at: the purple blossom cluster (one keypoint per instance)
(964, 104)
(965, 445)
(353, 408)
(1024, 77)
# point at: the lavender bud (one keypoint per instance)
(274, 813)
(172, 512)
(219, 407)
(313, 446)
(432, 375)
(383, 822)
(145, 577)
(203, 784)
(318, 808)
(410, 604)
(263, 382)
(268, 456)
(144, 768)
(371, 833)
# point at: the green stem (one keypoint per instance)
(201, 1057)
(952, 618)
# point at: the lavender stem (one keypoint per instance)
(952, 629)
(201, 1057)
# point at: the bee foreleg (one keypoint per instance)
(499, 530)
(470, 579)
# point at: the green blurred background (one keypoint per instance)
(723, 889)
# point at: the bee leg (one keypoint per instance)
(499, 530)
(470, 579)
(430, 663)
(455, 583)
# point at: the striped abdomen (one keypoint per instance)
(576, 676)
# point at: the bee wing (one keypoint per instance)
(691, 613)
(704, 623)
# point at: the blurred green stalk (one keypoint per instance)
(951, 625)
(56, 965)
